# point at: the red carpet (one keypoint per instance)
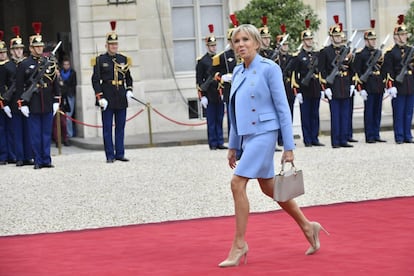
(367, 238)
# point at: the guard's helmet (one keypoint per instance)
(3, 46)
(36, 39)
(211, 39)
(306, 33)
(112, 37)
(16, 41)
(400, 28)
(370, 34)
(335, 29)
(264, 31)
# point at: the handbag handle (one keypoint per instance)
(282, 171)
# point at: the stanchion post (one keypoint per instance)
(58, 131)
(149, 124)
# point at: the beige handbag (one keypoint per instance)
(288, 184)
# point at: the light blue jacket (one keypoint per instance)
(258, 102)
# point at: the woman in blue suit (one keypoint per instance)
(258, 109)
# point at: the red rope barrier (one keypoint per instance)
(176, 122)
(97, 126)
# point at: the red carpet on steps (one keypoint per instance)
(366, 238)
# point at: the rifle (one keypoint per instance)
(276, 52)
(37, 75)
(405, 64)
(373, 61)
(338, 61)
(10, 91)
(311, 69)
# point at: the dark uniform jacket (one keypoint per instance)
(7, 72)
(267, 52)
(224, 63)
(111, 79)
(374, 83)
(15, 94)
(48, 90)
(70, 84)
(392, 67)
(285, 62)
(342, 82)
(205, 79)
(304, 62)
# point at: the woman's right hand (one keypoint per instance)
(231, 156)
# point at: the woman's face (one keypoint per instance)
(245, 46)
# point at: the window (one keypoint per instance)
(358, 12)
(190, 20)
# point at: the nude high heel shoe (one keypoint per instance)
(235, 262)
(316, 229)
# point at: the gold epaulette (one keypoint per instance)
(4, 62)
(198, 58)
(129, 59)
(216, 59)
(93, 61)
(388, 49)
(294, 84)
(295, 54)
(359, 50)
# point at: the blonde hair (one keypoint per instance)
(251, 31)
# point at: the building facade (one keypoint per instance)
(164, 39)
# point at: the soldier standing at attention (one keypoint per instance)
(266, 50)
(337, 92)
(42, 104)
(209, 94)
(306, 79)
(6, 79)
(400, 83)
(112, 83)
(224, 63)
(371, 87)
(20, 125)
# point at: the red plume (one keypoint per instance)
(336, 19)
(211, 28)
(1, 35)
(16, 31)
(283, 28)
(341, 26)
(372, 23)
(37, 27)
(264, 20)
(307, 23)
(113, 25)
(401, 19)
(234, 20)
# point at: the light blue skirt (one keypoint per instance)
(257, 158)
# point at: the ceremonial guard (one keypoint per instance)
(282, 57)
(369, 83)
(210, 97)
(398, 73)
(335, 80)
(112, 83)
(39, 102)
(266, 49)
(20, 126)
(223, 64)
(6, 80)
(306, 80)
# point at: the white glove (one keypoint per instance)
(351, 90)
(129, 95)
(328, 93)
(204, 101)
(392, 91)
(7, 111)
(55, 108)
(226, 77)
(25, 110)
(103, 103)
(322, 94)
(300, 98)
(364, 94)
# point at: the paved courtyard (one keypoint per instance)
(185, 182)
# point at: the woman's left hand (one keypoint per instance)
(287, 156)
(231, 156)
